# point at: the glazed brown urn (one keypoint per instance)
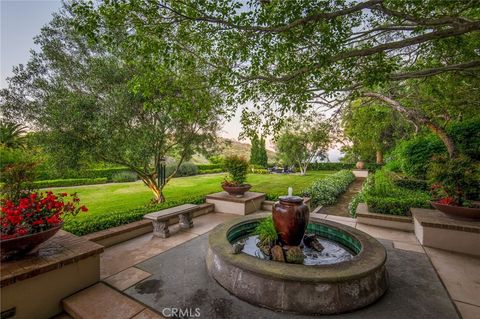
(290, 218)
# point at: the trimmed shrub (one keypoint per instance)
(126, 176)
(82, 226)
(412, 184)
(76, 174)
(398, 204)
(330, 166)
(360, 196)
(202, 167)
(325, 191)
(69, 182)
(211, 171)
(415, 154)
(382, 196)
(185, 169)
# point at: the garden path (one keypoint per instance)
(341, 206)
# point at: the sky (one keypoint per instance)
(22, 20)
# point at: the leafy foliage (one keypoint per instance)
(81, 94)
(373, 130)
(266, 231)
(326, 191)
(237, 168)
(302, 143)
(111, 219)
(12, 135)
(458, 179)
(124, 177)
(384, 196)
(258, 152)
(69, 182)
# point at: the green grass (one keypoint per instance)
(120, 197)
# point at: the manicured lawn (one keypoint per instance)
(119, 197)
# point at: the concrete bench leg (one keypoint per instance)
(160, 229)
(185, 220)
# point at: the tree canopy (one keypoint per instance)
(89, 100)
(303, 142)
(292, 56)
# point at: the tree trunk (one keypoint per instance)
(379, 157)
(156, 190)
(417, 117)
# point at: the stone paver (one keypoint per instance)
(148, 314)
(460, 274)
(180, 279)
(407, 246)
(468, 311)
(390, 234)
(101, 302)
(134, 251)
(127, 278)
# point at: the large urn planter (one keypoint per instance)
(360, 165)
(237, 191)
(472, 213)
(17, 247)
(290, 218)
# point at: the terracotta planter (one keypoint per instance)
(458, 211)
(237, 191)
(290, 218)
(360, 165)
(19, 246)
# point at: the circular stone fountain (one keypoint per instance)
(329, 288)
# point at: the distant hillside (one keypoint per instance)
(231, 147)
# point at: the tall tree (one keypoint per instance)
(286, 55)
(302, 143)
(258, 153)
(373, 129)
(82, 95)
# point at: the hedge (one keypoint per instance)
(325, 191)
(397, 202)
(211, 171)
(203, 167)
(340, 166)
(412, 184)
(85, 225)
(69, 182)
(88, 173)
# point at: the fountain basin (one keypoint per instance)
(320, 289)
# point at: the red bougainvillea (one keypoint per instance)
(36, 212)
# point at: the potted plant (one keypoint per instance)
(29, 218)
(234, 183)
(33, 219)
(455, 186)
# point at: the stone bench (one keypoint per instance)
(160, 219)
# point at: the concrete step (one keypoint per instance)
(102, 302)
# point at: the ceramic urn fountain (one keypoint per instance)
(290, 218)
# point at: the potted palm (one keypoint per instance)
(455, 187)
(234, 183)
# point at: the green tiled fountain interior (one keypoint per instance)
(244, 229)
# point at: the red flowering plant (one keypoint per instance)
(36, 212)
(454, 181)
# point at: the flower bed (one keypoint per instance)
(326, 191)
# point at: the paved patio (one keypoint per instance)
(425, 282)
